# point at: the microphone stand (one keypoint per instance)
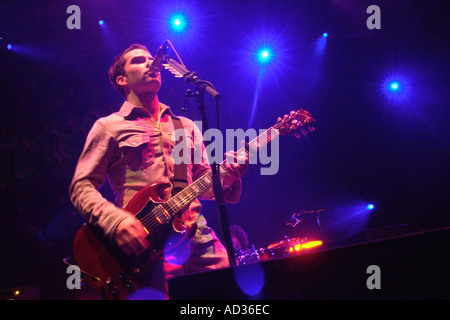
(295, 218)
(202, 88)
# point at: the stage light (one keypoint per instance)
(9, 46)
(251, 279)
(264, 55)
(101, 22)
(320, 44)
(178, 22)
(304, 246)
(370, 206)
(394, 86)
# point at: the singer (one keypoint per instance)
(131, 149)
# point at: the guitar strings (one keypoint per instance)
(180, 200)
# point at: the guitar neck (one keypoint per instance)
(204, 183)
(193, 191)
(260, 141)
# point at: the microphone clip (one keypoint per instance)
(189, 95)
(294, 220)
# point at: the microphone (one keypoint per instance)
(156, 64)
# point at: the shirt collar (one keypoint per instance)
(127, 108)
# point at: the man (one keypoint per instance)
(132, 149)
(245, 252)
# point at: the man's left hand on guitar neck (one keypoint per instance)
(236, 165)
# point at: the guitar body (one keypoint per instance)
(108, 270)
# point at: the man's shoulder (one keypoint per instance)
(107, 124)
(111, 118)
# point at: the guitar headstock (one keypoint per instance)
(300, 120)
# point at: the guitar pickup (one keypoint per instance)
(162, 215)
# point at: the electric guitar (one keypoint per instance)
(115, 275)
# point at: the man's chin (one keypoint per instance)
(152, 84)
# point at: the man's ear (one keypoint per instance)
(121, 80)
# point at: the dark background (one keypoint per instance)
(369, 146)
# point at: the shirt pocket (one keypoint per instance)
(135, 140)
(136, 152)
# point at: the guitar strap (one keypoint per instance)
(180, 180)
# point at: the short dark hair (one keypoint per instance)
(118, 66)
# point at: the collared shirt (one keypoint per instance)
(132, 150)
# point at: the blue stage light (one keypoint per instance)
(394, 86)
(9, 46)
(178, 22)
(370, 206)
(264, 55)
(101, 22)
(325, 34)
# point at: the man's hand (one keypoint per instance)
(236, 166)
(131, 237)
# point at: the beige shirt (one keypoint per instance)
(132, 150)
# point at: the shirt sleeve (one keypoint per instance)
(90, 173)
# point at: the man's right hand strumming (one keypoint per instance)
(131, 237)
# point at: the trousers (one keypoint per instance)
(202, 253)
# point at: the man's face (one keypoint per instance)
(138, 76)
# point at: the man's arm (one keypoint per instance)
(90, 173)
(232, 184)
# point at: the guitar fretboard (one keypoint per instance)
(193, 191)
(260, 141)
